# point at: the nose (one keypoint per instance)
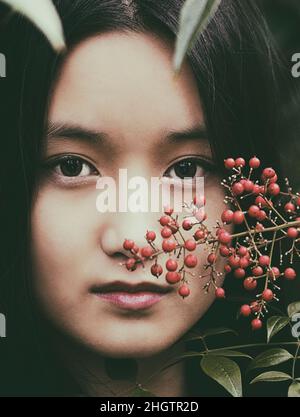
(121, 226)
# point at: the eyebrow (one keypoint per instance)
(69, 131)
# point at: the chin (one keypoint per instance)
(124, 347)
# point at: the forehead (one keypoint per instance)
(124, 82)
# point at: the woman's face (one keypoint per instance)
(114, 105)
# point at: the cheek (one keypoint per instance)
(61, 236)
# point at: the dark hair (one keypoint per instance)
(235, 67)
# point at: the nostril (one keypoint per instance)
(119, 256)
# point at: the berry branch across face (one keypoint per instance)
(269, 221)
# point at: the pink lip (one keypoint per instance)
(132, 301)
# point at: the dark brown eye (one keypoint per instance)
(71, 167)
(188, 168)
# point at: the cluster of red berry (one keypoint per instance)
(268, 217)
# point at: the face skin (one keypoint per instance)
(122, 85)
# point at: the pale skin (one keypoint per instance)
(123, 85)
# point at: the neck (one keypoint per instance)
(100, 376)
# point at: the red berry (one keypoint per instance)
(244, 262)
(242, 250)
(297, 202)
(234, 261)
(254, 163)
(245, 310)
(187, 224)
(168, 210)
(237, 188)
(190, 245)
(227, 268)
(150, 236)
(130, 264)
(292, 233)
(248, 186)
(260, 201)
(238, 217)
(229, 163)
(128, 244)
(224, 237)
(273, 179)
(256, 189)
(190, 261)
(259, 227)
(261, 216)
(250, 284)
(239, 273)
(253, 211)
(227, 216)
(255, 306)
(289, 207)
(257, 271)
(199, 234)
(200, 215)
(268, 173)
(256, 324)
(173, 277)
(156, 270)
(135, 249)
(264, 260)
(274, 273)
(220, 293)
(147, 251)
(199, 201)
(224, 251)
(171, 265)
(166, 232)
(267, 295)
(168, 245)
(211, 258)
(274, 189)
(290, 273)
(165, 220)
(184, 290)
(240, 162)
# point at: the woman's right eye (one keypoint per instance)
(71, 167)
(74, 167)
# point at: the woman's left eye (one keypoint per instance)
(189, 168)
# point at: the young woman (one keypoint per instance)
(111, 102)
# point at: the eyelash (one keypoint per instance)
(53, 164)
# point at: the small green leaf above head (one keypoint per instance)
(44, 16)
(224, 371)
(194, 17)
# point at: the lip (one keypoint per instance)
(131, 296)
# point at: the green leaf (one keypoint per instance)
(271, 377)
(224, 371)
(229, 353)
(270, 358)
(293, 308)
(139, 391)
(275, 324)
(294, 389)
(44, 16)
(194, 17)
